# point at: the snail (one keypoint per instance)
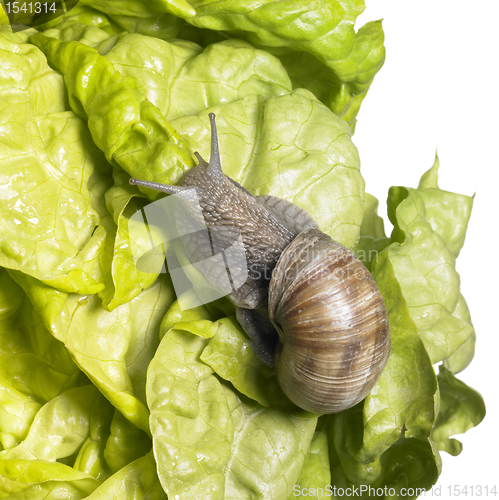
(309, 306)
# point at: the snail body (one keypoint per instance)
(309, 306)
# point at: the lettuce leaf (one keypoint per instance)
(122, 278)
(98, 362)
(372, 233)
(116, 16)
(129, 129)
(212, 443)
(182, 79)
(230, 356)
(22, 479)
(34, 367)
(287, 144)
(135, 480)
(315, 476)
(80, 246)
(49, 228)
(112, 348)
(125, 444)
(461, 408)
(4, 19)
(429, 230)
(62, 425)
(74, 424)
(315, 41)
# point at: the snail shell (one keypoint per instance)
(318, 311)
(334, 338)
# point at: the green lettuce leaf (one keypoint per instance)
(49, 227)
(372, 223)
(116, 16)
(62, 425)
(125, 443)
(212, 443)
(130, 130)
(22, 479)
(197, 320)
(461, 408)
(71, 30)
(372, 233)
(228, 352)
(34, 367)
(141, 16)
(91, 457)
(17, 411)
(105, 261)
(112, 348)
(409, 463)
(230, 356)
(270, 142)
(182, 79)
(315, 476)
(83, 14)
(447, 213)
(124, 281)
(429, 230)
(464, 354)
(316, 43)
(11, 296)
(135, 480)
(4, 19)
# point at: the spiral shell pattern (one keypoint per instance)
(332, 324)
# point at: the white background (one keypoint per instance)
(439, 89)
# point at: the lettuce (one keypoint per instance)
(138, 479)
(311, 138)
(461, 408)
(107, 388)
(36, 479)
(40, 138)
(112, 348)
(149, 18)
(315, 41)
(212, 442)
(34, 367)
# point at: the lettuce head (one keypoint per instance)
(108, 389)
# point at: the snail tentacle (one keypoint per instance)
(199, 158)
(214, 166)
(164, 188)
